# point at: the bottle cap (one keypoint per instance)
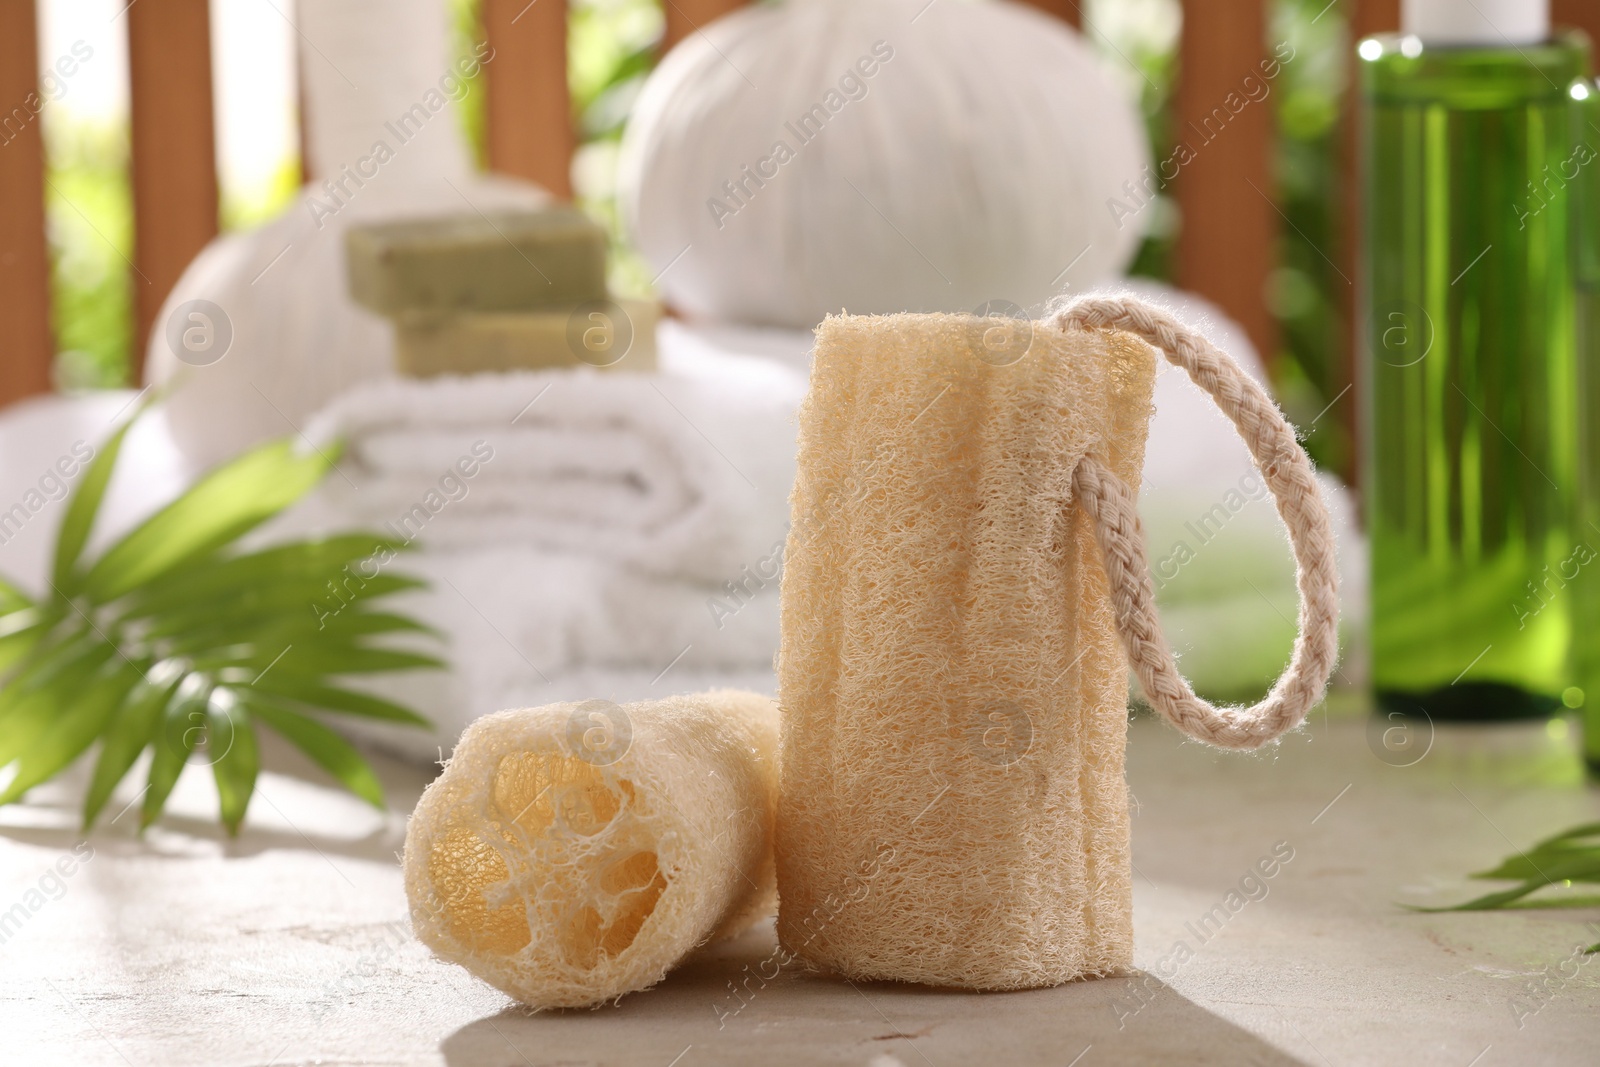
(1488, 23)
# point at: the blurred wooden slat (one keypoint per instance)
(529, 106)
(686, 16)
(1366, 17)
(1227, 246)
(1583, 14)
(174, 159)
(25, 342)
(1070, 10)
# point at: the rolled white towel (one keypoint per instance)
(717, 346)
(460, 699)
(523, 627)
(678, 476)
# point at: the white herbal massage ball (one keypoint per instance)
(259, 332)
(797, 159)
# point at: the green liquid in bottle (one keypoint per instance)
(1469, 424)
(1586, 524)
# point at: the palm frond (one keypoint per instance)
(174, 642)
(1572, 856)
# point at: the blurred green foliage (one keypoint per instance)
(466, 30)
(89, 219)
(612, 47)
(1138, 43)
(1310, 290)
(241, 211)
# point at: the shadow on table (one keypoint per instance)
(378, 846)
(275, 822)
(695, 1018)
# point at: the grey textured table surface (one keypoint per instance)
(290, 945)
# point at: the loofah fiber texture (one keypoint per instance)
(573, 853)
(952, 670)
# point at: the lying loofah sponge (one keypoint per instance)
(573, 853)
(953, 809)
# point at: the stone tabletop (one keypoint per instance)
(290, 945)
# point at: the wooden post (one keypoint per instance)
(174, 159)
(1582, 14)
(1069, 10)
(1227, 246)
(26, 347)
(529, 107)
(687, 16)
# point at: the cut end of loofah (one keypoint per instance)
(527, 791)
(573, 853)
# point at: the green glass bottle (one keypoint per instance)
(1586, 524)
(1469, 362)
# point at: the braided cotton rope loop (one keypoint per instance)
(1288, 473)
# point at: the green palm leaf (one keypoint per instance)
(175, 643)
(1570, 856)
(222, 507)
(236, 764)
(72, 731)
(12, 599)
(327, 749)
(129, 734)
(84, 506)
(311, 692)
(182, 726)
(21, 630)
(30, 706)
(1581, 844)
(308, 566)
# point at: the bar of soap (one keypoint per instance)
(610, 335)
(510, 261)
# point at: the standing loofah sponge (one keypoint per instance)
(573, 853)
(963, 560)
